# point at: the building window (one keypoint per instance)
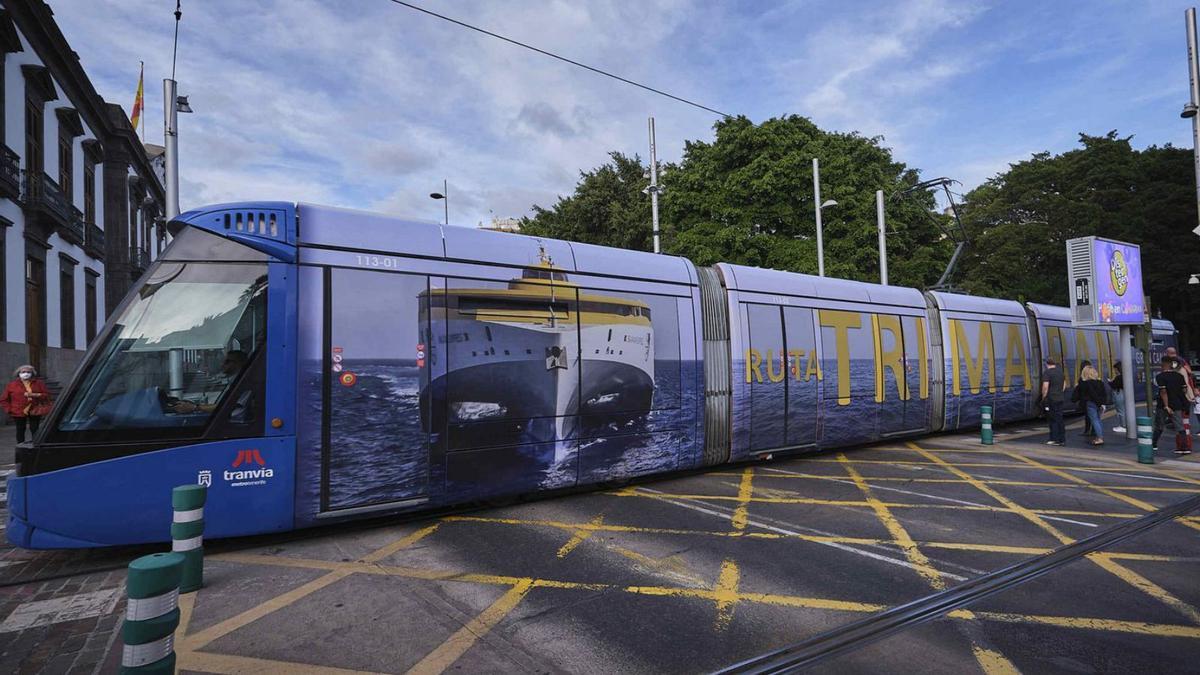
(35, 304)
(89, 191)
(66, 300)
(89, 304)
(66, 163)
(33, 138)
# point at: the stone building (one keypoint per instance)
(79, 199)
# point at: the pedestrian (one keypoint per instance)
(26, 400)
(1170, 402)
(1077, 397)
(1117, 384)
(1092, 397)
(1190, 392)
(1053, 386)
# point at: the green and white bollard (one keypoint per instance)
(1145, 439)
(985, 426)
(187, 533)
(152, 614)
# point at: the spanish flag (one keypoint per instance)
(137, 100)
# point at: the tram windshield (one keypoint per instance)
(174, 354)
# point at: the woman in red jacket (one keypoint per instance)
(26, 400)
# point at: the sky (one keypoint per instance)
(371, 105)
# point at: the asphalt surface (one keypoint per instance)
(697, 572)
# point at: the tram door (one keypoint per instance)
(375, 434)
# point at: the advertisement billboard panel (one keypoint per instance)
(1105, 282)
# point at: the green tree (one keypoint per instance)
(1020, 220)
(608, 208)
(747, 198)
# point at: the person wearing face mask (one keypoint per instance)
(26, 400)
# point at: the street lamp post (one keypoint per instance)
(1193, 104)
(444, 195)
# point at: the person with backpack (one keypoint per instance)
(1092, 398)
(1117, 386)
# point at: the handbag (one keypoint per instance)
(41, 408)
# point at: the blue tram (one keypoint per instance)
(313, 365)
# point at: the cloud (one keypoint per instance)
(372, 105)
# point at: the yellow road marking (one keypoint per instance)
(745, 493)
(961, 546)
(894, 528)
(399, 544)
(1086, 623)
(862, 504)
(198, 640)
(1102, 489)
(726, 593)
(278, 602)
(449, 651)
(227, 664)
(1017, 483)
(1136, 580)
(993, 662)
(1145, 585)
(706, 594)
(580, 535)
(187, 603)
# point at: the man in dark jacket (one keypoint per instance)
(1053, 385)
(1171, 403)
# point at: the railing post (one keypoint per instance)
(985, 426)
(152, 614)
(1145, 435)
(187, 533)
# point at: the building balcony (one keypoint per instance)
(139, 258)
(44, 198)
(10, 173)
(74, 230)
(94, 240)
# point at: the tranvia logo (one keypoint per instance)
(1119, 271)
(253, 470)
(204, 478)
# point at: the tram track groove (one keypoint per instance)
(859, 634)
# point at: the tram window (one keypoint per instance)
(176, 352)
(767, 371)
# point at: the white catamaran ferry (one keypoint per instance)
(539, 347)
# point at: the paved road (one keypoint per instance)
(687, 574)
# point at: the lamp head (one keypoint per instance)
(181, 104)
(1189, 111)
(437, 195)
(829, 202)
(1195, 280)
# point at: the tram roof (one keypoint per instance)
(334, 227)
(758, 280)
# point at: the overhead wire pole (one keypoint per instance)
(652, 189)
(883, 276)
(170, 128)
(817, 206)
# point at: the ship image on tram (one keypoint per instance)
(314, 365)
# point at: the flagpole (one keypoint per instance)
(141, 78)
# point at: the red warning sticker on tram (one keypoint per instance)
(348, 379)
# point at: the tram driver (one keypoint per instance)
(235, 360)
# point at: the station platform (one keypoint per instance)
(689, 573)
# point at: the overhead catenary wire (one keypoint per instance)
(556, 56)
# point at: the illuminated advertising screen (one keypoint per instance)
(1118, 268)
